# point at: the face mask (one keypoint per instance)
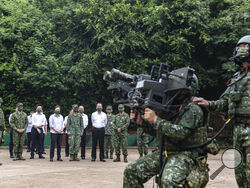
(99, 109)
(120, 110)
(108, 111)
(81, 110)
(57, 111)
(75, 109)
(20, 109)
(39, 110)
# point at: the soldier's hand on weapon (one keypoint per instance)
(200, 101)
(119, 130)
(38, 130)
(69, 133)
(150, 115)
(138, 118)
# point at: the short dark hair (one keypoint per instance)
(39, 105)
(57, 106)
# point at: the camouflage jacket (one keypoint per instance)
(140, 130)
(2, 123)
(19, 121)
(185, 130)
(122, 122)
(109, 127)
(74, 124)
(235, 100)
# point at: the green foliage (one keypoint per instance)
(56, 51)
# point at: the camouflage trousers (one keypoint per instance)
(18, 142)
(74, 143)
(108, 144)
(179, 171)
(142, 148)
(241, 141)
(120, 139)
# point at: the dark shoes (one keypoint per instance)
(12, 156)
(59, 159)
(41, 157)
(125, 159)
(31, 157)
(102, 160)
(93, 160)
(83, 158)
(117, 159)
(51, 160)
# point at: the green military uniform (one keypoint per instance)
(121, 121)
(108, 138)
(183, 168)
(18, 121)
(142, 148)
(2, 124)
(75, 127)
(236, 101)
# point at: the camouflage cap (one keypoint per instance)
(1, 100)
(109, 107)
(19, 104)
(120, 106)
(75, 106)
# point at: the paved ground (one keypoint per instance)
(39, 173)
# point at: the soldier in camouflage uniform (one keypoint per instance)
(75, 131)
(109, 133)
(120, 127)
(142, 147)
(19, 123)
(183, 167)
(236, 102)
(2, 124)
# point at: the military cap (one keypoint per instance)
(75, 106)
(109, 107)
(19, 104)
(120, 106)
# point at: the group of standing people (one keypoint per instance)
(109, 131)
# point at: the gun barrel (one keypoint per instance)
(118, 75)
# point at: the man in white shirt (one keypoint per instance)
(67, 136)
(99, 121)
(28, 130)
(45, 131)
(83, 137)
(56, 130)
(38, 121)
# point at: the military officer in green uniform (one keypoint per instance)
(179, 166)
(120, 127)
(75, 131)
(109, 133)
(236, 102)
(142, 139)
(19, 123)
(2, 124)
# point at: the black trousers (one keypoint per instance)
(83, 144)
(56, 140)
(36, 141)
(11, 142)
(43, 142)
(29, 140)
(98, 136)
(67, 145)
